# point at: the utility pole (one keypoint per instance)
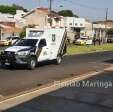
(50, 5)
(0, 33)
(106, 14)
(50, 11)
(106, 18)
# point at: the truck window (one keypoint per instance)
(42, 43)
(27, 42)
(35, 33)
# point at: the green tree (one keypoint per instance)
(23, 33)
(18, 7)
(67, 13)
(110, 31)
(7, 9)
(11, 9)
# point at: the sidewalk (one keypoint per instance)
(98, 98)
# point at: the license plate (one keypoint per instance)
(7, 63)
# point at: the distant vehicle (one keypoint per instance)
(13, 40)
(4, 42)
(110, 40)
(39, 45)
(9, 41)
(84, 41)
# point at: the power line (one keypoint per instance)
(81, 5)
(84, 5)
(96, 9)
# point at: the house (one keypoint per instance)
(7, 19)
(10, 24)
(88, 31)
(7, 26)
(7, 31)
(19, 21)
(19, 14)
(81, 26)
(74, 26)
(74, 23)
(41, 17)
(13, 20)
(100, 28)
(108, 23)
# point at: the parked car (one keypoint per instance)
(4, 42)
(84, 41)
(110, 40)
(12, 40)
(9, 41)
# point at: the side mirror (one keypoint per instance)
(40, 46)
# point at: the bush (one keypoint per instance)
(23, 33)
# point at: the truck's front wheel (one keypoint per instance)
(32, 63)
(2, 64)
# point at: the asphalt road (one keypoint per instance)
(80, 98)
(16, 80)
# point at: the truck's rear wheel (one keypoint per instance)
(58, 60)
(32, 63)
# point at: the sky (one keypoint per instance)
(90, 9)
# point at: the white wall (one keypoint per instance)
(74, 22)
(19, 14)
(89, 29)
(6, 18)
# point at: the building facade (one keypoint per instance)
(8, 24)
(41, 17)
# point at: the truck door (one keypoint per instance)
(43, 50)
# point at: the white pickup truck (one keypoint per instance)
(38, 45)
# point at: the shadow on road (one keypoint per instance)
(24, 67)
